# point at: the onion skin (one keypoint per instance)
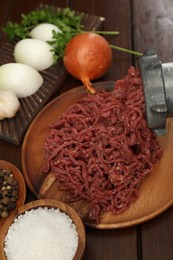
(87, 56)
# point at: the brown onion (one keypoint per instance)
(87, 57)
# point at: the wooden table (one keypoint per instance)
(143, 24)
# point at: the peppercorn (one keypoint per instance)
(5, 200)
(4, 193)
(8, 171)
(11, 205)
(9, 180)
(8, 187)
(5, 177)
(4, 208)
(1, 173)
(4, 214)
(13, 199)
(13, 183)
(15, 193)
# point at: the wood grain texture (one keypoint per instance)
(4, 5)
(49, 204)
(153, 28)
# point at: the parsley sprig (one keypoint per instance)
(66, 19)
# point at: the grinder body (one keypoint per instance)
(158, 90)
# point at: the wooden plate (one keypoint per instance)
(22, 192)
(13, 129)
(50, 204)
(156, 193)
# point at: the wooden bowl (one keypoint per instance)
(50, 204)
(22, 187)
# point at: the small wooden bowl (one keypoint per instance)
(49, 204)
(22, 187)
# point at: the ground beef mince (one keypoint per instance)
(101, 150)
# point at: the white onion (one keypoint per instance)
(35, 53)
(9, 104)
(23, 80)
(44, 31)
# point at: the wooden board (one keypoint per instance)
(156, 193)
(13, 129)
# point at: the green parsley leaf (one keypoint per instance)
(66, 19)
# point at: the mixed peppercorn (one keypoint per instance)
(9, 192)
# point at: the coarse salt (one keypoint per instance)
(41, 234)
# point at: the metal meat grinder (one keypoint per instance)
(158, 90)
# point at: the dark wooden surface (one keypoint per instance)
(143, 24)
